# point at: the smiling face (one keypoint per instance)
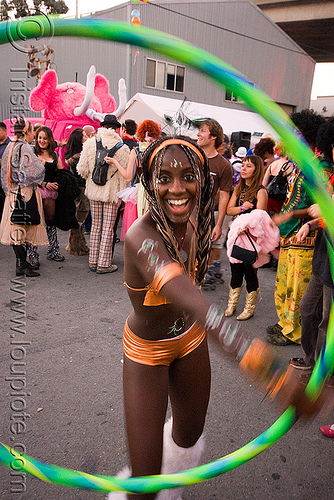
(204, 137)
(42, 140)
(177, 185)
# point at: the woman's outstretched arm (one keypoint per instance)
(146, 256)
(131, 168)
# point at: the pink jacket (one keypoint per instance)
(264, 233)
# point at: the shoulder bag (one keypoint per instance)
(239, 253)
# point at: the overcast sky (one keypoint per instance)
(85, 6)
(323, 84)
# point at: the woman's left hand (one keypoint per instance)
(302, 233)
(247, 205)
(292, 392)
(286, 385)
(52, 186)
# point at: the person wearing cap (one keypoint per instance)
(241, 152)
(236, 161)
(104, 201)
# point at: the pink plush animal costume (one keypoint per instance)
(74, 101)
(71, 105)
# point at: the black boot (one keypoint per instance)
(23, 268)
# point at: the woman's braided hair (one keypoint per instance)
(200, 244)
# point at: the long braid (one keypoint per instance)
(149, 182)
(205, 225)
(200, 243)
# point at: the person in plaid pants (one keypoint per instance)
(104, 201)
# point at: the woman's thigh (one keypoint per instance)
(49, 206)
(252, 282)
(145, 391)
(237, 274)
(190, 381)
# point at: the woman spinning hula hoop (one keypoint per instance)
(166, 353)
(165, 344)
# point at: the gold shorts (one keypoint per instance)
(161, 352)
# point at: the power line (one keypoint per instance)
(227, 29)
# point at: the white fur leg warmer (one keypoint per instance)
(120, 495)
(176, 459)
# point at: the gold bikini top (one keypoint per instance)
(152, 296)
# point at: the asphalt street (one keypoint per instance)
(70, 346)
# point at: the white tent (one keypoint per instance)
(172, 115)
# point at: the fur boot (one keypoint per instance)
(77, 243)
(177, 459)
(120, 495)
(174, 459)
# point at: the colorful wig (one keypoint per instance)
(150, 128)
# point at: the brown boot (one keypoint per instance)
(251, 298)
(233, 298)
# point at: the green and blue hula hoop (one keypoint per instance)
(225, 76)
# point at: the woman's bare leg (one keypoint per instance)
(190, 381)
(145, 402)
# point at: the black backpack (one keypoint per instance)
(99, 174)
(278, 186)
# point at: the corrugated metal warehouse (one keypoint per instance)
(237, 31)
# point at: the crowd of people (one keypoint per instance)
(183, 190)
(242, 183)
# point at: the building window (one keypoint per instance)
(161, 72)
(150, 73)
(170, 82)
(229, 96)
(166, 76)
